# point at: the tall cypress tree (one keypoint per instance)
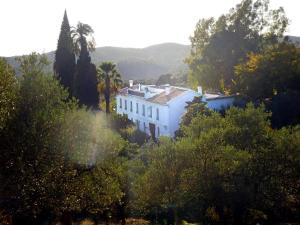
(65, 64)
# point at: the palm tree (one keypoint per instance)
(80, 34)
(85, 80)
(110, 78)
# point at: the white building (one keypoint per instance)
(160, 108)
(218, 101)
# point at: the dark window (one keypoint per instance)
(137, 108)
(150, 111)
(125, 104)
(143, 110)
(130, 106)
(157, 113)
(120, 103)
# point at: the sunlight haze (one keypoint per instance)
(34, 25)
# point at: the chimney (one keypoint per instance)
(167, 90)
(130, 83)
(199, 89)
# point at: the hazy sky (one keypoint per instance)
(34, 25)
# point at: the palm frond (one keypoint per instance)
(109, 69)
(82, 32)
(91, 44)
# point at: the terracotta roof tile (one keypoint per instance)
(163, 98)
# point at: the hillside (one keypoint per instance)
(295, 39)
(138, 63)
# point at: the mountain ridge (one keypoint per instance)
(136, 63)
(146, 63)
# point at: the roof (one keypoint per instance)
(210, 97)
(157, 94)
(153, 93)
(123, 91)
(163, 98)
(137, 93)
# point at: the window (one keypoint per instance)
(150, 111)
(157, 113)
(137, 124)
(143, 110)
(130, 106)
(137, 108)
(120, 103)
(144, 127)
(125, 104)
(158, 131)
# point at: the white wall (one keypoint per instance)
(162, 122)
(177, 109)
(218, 104)
(169, 115)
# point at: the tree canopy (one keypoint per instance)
(223, 170)
(63, 159)
(8, 92)
(61, 162)
(218, 45)
(266, 74)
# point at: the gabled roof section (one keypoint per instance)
(164, 98)
(123, 91)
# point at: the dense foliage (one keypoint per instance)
(266, 74)
(223, 170)
(61, 162)
(56, 160)
(29, 150)
(273, 77)
(8, 92)
(244, 52)
(218, 45)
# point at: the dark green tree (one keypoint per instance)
(111, 78)
(8, 92)
(266, 74)
(64, 62)
(85, 82)
(219, 45)
(273, 77)
(158, 189)
(285, 108)
(29, 146)
(64, 160)
(225, 169)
